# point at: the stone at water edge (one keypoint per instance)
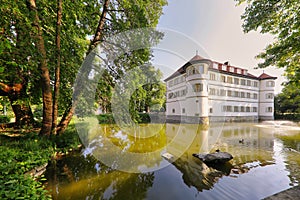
(217, 157)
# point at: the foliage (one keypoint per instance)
(17, 156)
(282, 19)
(20, 57)
(106, 119)
(109, 118)
(21, 154)
(4, 119)
(287, 103)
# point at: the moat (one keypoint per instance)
(266, 161)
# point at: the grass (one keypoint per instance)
(25, 151)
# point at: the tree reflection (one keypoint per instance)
(77, 177)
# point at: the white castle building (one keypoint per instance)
(203, 91)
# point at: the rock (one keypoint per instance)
(217, 157)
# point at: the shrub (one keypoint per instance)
(4, 119)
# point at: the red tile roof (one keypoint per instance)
(266, 76)
(196, 58)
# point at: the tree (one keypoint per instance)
(43, 67)
(282, 19)
(117, 17)
(288, 101)
(33, 62)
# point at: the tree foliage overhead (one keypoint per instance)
(282, 19)
(25, 25)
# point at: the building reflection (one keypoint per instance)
(250, 146)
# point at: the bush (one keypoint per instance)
(4, 119)
(291, 117)
(17, 156)
(106, 119)
(144, 118)
(109, 118)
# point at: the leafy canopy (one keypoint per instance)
(282, 19)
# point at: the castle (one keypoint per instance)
(203, 91)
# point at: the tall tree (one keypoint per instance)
(57, 68)
(43, 67)
(14, 61)
(288, 101)
(282, 19)
(117, 17)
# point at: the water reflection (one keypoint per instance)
(266, 162)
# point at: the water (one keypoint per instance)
(266, 161)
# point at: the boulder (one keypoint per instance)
(214, 158)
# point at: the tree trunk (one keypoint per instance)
(66, 119)
(57, 69)
(45, 76)
(19, 103)
(97, 38)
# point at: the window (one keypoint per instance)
(269, 96)
(242, 94)
(212, 91)
(243, 82)
(239, 71)
(183, 110)
(247, 109)
(254, 109)
(170, 96)
(269, 109)
(231, 69)
(255, 84)
(212, 76)
(248, 83)
(222, 92)
(229, 79)
(198, 87)
(255, 96)
(215, 66)
(227, 108)
(201, 69)
(236, 81)
(210, 110)
(236, 109)
(248, 95)
(242, 109)
(193, 70)
(224, 67)
(173, 110)
(236, 94)
(270, 84)
(183, 92)
(223, 79)
(229, 93)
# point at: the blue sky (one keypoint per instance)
(213, 27)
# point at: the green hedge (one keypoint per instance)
(109, 118)
(291, 117)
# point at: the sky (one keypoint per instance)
(214, 29)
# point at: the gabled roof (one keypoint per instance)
(266, 76)
(182, 69)
(198, 58)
